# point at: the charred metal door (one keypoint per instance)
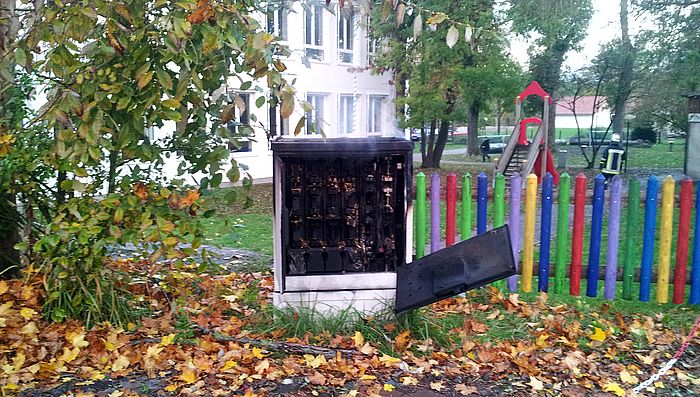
(466, 265)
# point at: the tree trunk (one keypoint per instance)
(112, 177)
(473, 129)
(441, 141)
(499, 117)
(400, 90)
(9, 217)
(626, 73)
(428, 161)
(422, 144)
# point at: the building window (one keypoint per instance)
(346, 119)
(277, 21)
(242, 133)
(314, 118)
(346, 32)
(150, 133)
(373, 44)
(313, 32)
(374, 116)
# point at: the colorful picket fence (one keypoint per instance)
(570, 237)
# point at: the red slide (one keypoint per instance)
(537, 169)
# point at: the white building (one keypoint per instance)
(329, 61)
(583, 112)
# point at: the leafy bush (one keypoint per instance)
(73, 255)
(646, 133)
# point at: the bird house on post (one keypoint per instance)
(692, 154)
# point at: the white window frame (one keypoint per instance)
(345, 120)
(374, 120)
(314, 50)
(243, 143)
(346, 37)
(317, 116)
(278, 21)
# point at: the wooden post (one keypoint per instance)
(466, 224)
(648, 243)
(665, 235)
(482, 201)
(683, 237)
(435, 212)
(514, 226)
(545, 232)
(630, 244)
(562, 232)
(613, 238)
(577, 237)
(529, 233)
(596, 235)
(420, 215)
(451, 206)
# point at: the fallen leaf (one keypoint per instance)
(388, 387)
(409, 381)
(358, 339)
(27, 313)
(167, 340)
(402, 339)
(437, 386)
(614, 388)
(367, 349)
(626, 377)
(4, 287)
(315, 362)
(536, 384)
(122, 362)
(466, 390)
(317, 379)
(258, 353)
(188, 376)
(598, 335)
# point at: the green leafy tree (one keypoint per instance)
(452, 54)
(558, 27)
(112, 69)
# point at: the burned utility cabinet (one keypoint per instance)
(342, 216)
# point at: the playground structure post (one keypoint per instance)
(420, 215)
(562, 232)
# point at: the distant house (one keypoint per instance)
(583, 112)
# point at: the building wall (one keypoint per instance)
(328, 76)
(601, 120)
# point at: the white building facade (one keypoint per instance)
(330, 67)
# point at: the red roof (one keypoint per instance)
(582, 104)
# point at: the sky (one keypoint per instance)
(604, 26)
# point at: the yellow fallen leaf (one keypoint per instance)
(598, 335)
(437, 386)
(536, 384)
(315, 362)
(77, 338)
(3, 322)
(541, 340)
(359, 339)
(258, 353)
(626, 377)
(228, 365)
(29, 329)
(6, 308)
(388, 387)
(167, 340)
(188, 376)
(69, 354)
(388, 360)
(368, 377)
(97, 376)
(4, 287)
(171, 387)
(116, 393)
(27, 313)
(614, 388)
(409, 381)
(122, 362)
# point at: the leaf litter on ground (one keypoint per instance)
(217, 334)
